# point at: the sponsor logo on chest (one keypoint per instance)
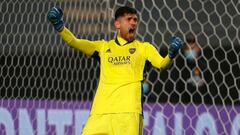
(119, 60)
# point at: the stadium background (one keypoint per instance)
(36, 65)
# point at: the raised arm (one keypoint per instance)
(157, 60)
(85, 46)
(88, 47)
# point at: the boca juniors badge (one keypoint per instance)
(132, 50)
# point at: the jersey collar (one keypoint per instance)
(121, 42)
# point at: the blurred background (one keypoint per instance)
(35, 64)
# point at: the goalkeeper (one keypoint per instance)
(117, 106)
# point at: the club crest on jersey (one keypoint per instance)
(132, 50)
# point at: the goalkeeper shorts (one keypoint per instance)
(114, 124)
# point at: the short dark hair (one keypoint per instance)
(124, 10)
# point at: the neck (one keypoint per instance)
(121, 41)
(127, 39)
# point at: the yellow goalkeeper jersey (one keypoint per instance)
(121, 71)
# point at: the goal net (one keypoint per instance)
(47, 87)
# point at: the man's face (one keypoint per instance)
(127, 26)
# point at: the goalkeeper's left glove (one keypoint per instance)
(175, 44)
(55, 17)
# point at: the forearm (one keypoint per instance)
(84, 46)
(165, 63)
(175, 45)
(161, 63)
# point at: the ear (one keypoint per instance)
(117, 24)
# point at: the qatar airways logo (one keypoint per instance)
(120, 60)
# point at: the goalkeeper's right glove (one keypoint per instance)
(55, 17)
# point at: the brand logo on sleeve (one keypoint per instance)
(108, 50)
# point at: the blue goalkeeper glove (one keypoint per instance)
(175, 44)
(55, 17)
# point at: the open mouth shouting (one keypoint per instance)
(131, 30)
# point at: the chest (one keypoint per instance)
(122, 55)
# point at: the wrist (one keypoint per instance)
(172, 54)
(171, 57)
(59, 26)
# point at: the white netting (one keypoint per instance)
(36, 65)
